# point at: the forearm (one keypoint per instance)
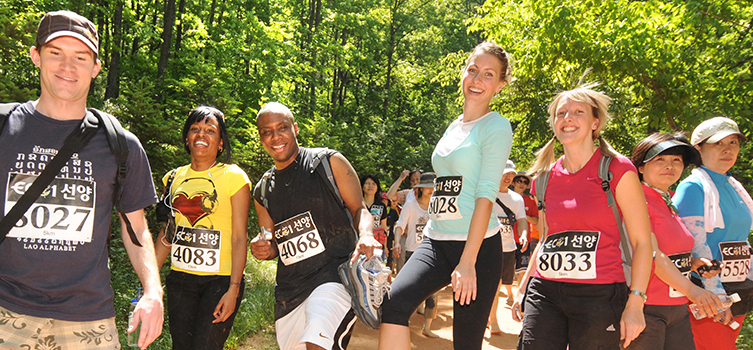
(392, 192)
(667, 272)
(143, 258)
(161, 250)
(533, 220)
(364, 222)
(531, 270)
(239, 256)
(641, 265)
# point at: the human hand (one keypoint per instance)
(404, 174)
(524, 243)
(464, 283)
(261, 248)
(226, 306)
(724, 317)
(517, 313)
(706, 268)
(149, 313)
(397, 249)
(708, 303)
(366, 245)
(632, 321)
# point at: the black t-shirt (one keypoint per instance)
(306, 214)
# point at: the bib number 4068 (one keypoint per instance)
(290, 248)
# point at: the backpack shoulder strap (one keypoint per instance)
(606, 177)
(541, 181)
(5, 110)
(265, 179)
(119, 147)
(322, 158)
(508, 212)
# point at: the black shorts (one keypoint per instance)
(667, 328)
(583, 316)
(508, 267)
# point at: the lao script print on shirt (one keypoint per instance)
(444, 200)
(736, 258)
(64, 210)
(682, 262)
(298, 239)
(569, 254)
(196, 249)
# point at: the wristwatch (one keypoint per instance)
(640, 294)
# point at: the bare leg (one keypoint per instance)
(394, 337)
(310, 346)
(510, 298)
(426, 331)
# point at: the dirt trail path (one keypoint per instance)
(366, 339)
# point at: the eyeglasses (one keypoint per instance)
(525, 182)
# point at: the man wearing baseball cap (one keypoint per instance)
(54, 269)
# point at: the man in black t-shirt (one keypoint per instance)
(311, 234)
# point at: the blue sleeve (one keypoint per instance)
(496, 143)
(689, 199)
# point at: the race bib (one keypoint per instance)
(444, 200)
(420, 232)
(298, 239)
(64, 210)
(736, 258)
(196, 249)
(506, 228)
(569, 254)
(682, 262)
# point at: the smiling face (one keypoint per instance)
(720, 156)
(662, 171)
(506, 181)
(482, 78)
(574, 122)
(66, 69)
(278, 134)
(203, 139)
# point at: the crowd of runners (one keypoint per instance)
(605, 255)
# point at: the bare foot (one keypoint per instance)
(428, 333)
(494, 328)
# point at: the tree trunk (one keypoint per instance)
(179, 29)
(113, 86)
(167, 35)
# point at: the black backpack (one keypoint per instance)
(118, 146)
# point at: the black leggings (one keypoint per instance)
(429, 270)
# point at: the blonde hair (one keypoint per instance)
(497, 51)
(599, 103)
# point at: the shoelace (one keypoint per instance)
(381, 286)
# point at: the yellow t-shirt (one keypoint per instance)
(201, 238)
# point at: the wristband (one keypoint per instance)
(235, 283)
(640, 294)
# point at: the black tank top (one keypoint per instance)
(298, 196)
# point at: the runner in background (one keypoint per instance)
(521, 184)
(392, 215)
(403, 196)
(660, 160)
(510, 210)
(372, 196)
(717, 211)
(411, 225)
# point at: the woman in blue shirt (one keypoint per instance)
(717, 210)
(462, 244)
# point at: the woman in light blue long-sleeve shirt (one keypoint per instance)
(463, 246)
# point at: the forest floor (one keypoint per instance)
(366, 339)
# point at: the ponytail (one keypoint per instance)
(544, 158)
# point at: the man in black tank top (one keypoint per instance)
(311, 233)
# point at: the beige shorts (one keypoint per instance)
(324, 319)
(18, 331)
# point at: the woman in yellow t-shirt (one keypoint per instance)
(205, 237)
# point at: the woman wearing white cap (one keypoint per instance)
(660, 160)
(717, 211)
(578, 296)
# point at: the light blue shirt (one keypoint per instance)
(477, 151)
